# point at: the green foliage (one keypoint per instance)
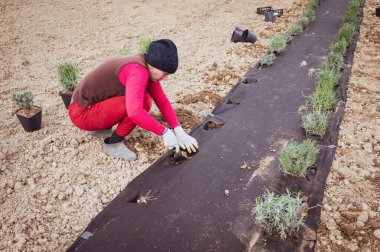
(346, 32)
(315, 122)
(267, 59)
(339, 46)
(68, 75)
(323, 98)
(277, 44)
(334, 61)
(123, 51)
(313, 3)
(23, 99)
(304, 21)
(296, 29)
(309, 13)
(144, 45)
(279, 214)
(288, 37)
(295, 158)
(352, 11)
(328, 76)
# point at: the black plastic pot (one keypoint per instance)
(251, 38)
(30, 123)
(378, 12)
(66, 97)
(240, 35)
(269, 16)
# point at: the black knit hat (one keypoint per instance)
(162, 54)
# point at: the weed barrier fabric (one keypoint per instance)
(189, 208)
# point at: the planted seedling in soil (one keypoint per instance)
(315, 122)
(323, 98)
(352, 10)
(277, 44)
(346, 32)
(278, 214)
(304, 21)
(339, 46)
(309, 13)
(295, 158)
(267, 59)
(328, 77)
(144, 45)
(296, 29)
(288, 37)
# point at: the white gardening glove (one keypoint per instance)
(185, 141)
(170, 140)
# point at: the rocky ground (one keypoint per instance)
(350, 218)
(55, 180)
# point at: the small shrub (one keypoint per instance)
(350, 16)
(296, 29)
(304, 21)
(295, 158)
(328, 76)
(323, 98)
(277, 44)
(278, 213)
(288, 37)
(267, 59)
(309, 13)
(315, 122)
(68, 75)
(352, 11)
(123, 51)
(313, 3)
(339, 46)
(144, 45)
(23, 99)
(334, 61)
(346, 32)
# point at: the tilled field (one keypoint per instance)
(54, 181)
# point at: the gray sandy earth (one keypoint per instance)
(55, 180)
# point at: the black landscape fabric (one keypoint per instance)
(188, 207)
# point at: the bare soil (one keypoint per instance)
(55, 180)
(350, 218)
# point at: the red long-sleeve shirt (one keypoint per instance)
(135, 79)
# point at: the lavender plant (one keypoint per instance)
(296, 29)
(295, 158)
(277, 44)
(315, 122)
(304, 21)
(23, 99)
(323, 98)
(288, 37)
(279, 214)
(267, 59)
(68, 75)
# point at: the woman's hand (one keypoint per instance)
(185, 141)
(170, 140)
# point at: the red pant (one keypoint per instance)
(105, 114)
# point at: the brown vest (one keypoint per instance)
(103, 82)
